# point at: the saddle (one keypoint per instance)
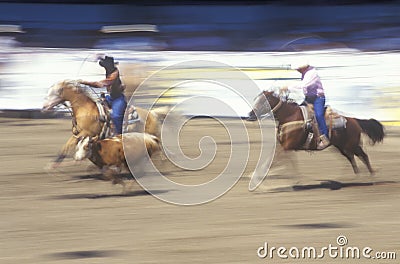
(131, 120)
(334, 121)
(104, 116)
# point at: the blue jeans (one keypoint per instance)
(319, 109)
(118, 106)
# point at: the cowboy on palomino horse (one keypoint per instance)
(314, 94)
(115, 88)
(87, 115)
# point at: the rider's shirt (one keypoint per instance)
(114, 86)
(311, 83)
(112, 82)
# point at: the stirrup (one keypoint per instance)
(324, 143)
(133, 117)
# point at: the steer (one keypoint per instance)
(108, 154)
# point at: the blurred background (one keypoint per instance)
(355, 45)
(202, 25)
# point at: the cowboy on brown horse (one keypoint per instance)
(293, 130)
(313, 90)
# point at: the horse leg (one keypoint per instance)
(282, 160)
(364, 158)
(72, 141)
(350, 157)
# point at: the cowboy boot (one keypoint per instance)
(324, 143)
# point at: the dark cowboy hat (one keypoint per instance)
(107, 62)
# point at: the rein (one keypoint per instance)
(69, 109)
(276, 108)
(74, 123)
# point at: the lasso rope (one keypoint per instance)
(78, 73)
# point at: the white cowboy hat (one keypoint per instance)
(300, 64)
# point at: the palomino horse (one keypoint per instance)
(86, 116)
(293, 133)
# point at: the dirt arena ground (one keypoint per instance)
(69, 215)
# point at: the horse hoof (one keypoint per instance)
(126, 189)
(54, 165)
(49, 167)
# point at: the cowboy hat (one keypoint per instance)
(107, 62)
(300, 64)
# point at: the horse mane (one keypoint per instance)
(289, 102)
(293, 103)
(77, 87)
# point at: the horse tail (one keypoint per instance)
(161, 112)
(373, 128)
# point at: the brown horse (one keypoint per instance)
(86, 116)
(293, 134)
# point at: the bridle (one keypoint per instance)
(277, 106)
(274, 109)
(69, 108)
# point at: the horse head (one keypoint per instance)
(56, 94)
(263, 104)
